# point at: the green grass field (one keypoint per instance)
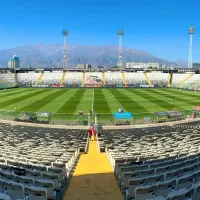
(67, 102)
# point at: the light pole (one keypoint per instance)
(120, 33)
(65, 33)
(191, 32)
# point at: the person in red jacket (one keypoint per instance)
(90, 134)
(94, 133)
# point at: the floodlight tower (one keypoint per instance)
(65, 34)
(120, 33)
(191, 32)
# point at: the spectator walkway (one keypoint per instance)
(93, 178)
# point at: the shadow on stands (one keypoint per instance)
(93, 186)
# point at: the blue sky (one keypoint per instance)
(156, 26)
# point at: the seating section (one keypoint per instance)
(51, 78)
(135, 79)
(93, 79)
(158, 79)
(96, 79)
(178, 79)
(38, 162)
(73, 78)
(155, 162)
(113, 78)
(27, 79)
(192, 83)
(7, 80)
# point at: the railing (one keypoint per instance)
(103, 119)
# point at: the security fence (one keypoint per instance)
(103, 119)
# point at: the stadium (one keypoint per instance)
(147, 134)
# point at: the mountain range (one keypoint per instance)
(51, 55)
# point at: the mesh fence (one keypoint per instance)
(104, 119)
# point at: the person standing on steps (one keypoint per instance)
(95, 130)
(90, 134)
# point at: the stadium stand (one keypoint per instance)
(7, 80)
(51, 78)
(155, 162)
(37, 161)
(113, 78)
(135, 79)
(93, 79)
(97, 79)
(27, 79)
(179, 79)
(158, 79)
(73, 78)
(192, 83)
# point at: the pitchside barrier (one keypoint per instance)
(104, 119)
(87, 86)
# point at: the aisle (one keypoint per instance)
(93, 178)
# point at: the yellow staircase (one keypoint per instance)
(187, 78)
(147, 79)
(63, 78)
(103, 78)
(83, 80)
(124, 78)
(169, 78)
(93, 178)
(39, 79)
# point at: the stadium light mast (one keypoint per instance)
(65, 34)
(191, 32)
(120, 33)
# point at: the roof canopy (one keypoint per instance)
(173, 113)
(44, 114)
(25, 115)
(125, 115)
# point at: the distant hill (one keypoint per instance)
(181, 63)
(51, 55)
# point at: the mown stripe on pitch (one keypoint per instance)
(185, 94)
(163, 104)
(11, 93)
(36, 105)
(100, 102)
(187, 101)
(72, 103)
(22, 97)
(128, 103)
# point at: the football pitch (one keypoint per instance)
(64, 102)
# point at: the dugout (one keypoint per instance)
(124, 118)
(26, 117)
(169, 116)
(43, 117)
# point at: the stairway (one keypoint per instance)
(185, 80)
(63, 78)
(124, 79)
(39, 79)
(83, 80)
(93, 178)
(147, 79)
(103, 78)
